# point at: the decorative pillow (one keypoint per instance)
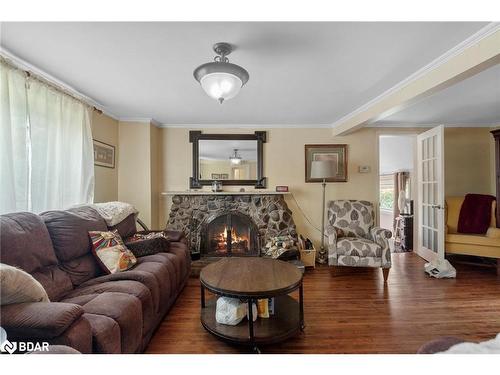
(148, 243)
(17, 286)
(110, 251)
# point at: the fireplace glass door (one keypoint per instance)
(230, 235)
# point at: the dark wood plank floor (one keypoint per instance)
(350, 311)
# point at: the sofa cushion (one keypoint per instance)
(163, 260)
(161, 274)
(146, 278)
(106, 335)
(126, 227)
(359, 247)
(25, 242)
(473, 239)
(356, 261)
(82, 269)
(129, 287)
(77, 336)
(69, 231)
(125, 310)
(55, 281)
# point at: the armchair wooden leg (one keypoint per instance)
(385, 271)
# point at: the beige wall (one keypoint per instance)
(469, 161)
(134, 173)
(155, 157)
(153, 160)
(283, 165)
(105, 129)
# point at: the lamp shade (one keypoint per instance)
(323, 169)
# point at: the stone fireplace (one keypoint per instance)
(230, 223)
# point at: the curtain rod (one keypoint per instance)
(9, 61)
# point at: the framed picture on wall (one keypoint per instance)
(215, 176)
(224, 176)
(104, 154)
(335, 153)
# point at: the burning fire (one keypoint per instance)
(221, 239)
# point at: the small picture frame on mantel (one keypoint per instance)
(104, 154)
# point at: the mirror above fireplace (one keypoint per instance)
(232, 159)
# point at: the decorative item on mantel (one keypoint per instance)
(216, 186)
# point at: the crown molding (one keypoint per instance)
(475, 38)
(430, 125)
(245, 126)
(26, 66)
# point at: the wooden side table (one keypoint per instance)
(251, 279)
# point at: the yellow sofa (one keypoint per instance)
(487, 245)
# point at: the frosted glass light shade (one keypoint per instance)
(221, 86)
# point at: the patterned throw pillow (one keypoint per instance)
(110, 251)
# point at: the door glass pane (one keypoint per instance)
(431, 147)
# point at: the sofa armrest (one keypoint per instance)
(381, 237)
(176, 235)
(43, 320)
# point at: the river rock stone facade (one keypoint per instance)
(270, 213)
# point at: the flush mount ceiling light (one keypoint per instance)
(220, 79)
(235, 159)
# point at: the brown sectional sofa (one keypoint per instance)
(89, 311)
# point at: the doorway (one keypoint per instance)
(397, 191)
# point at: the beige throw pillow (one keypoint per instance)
(17, 286)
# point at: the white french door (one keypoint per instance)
(430, 207)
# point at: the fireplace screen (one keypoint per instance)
(231, 234)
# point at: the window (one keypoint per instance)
(386, 198)
(46, 159)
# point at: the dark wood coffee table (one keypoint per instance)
(251, 279)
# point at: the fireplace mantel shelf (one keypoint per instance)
(206, 192)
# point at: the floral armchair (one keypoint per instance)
(353, 240)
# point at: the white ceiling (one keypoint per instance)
(300, 73)
(474, 101)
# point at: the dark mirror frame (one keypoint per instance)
(260, 136)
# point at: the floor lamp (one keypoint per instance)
(323, 169)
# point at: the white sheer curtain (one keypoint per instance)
(14, 146)
(56, 154)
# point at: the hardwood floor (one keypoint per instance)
(350, 311)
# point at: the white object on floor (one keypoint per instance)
(486, 347)
(230, 311)
(440, 269)
(114, 212)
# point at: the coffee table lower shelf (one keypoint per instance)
(284, 324)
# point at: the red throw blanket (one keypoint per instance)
(475, 214)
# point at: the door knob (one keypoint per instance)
(436, 206)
